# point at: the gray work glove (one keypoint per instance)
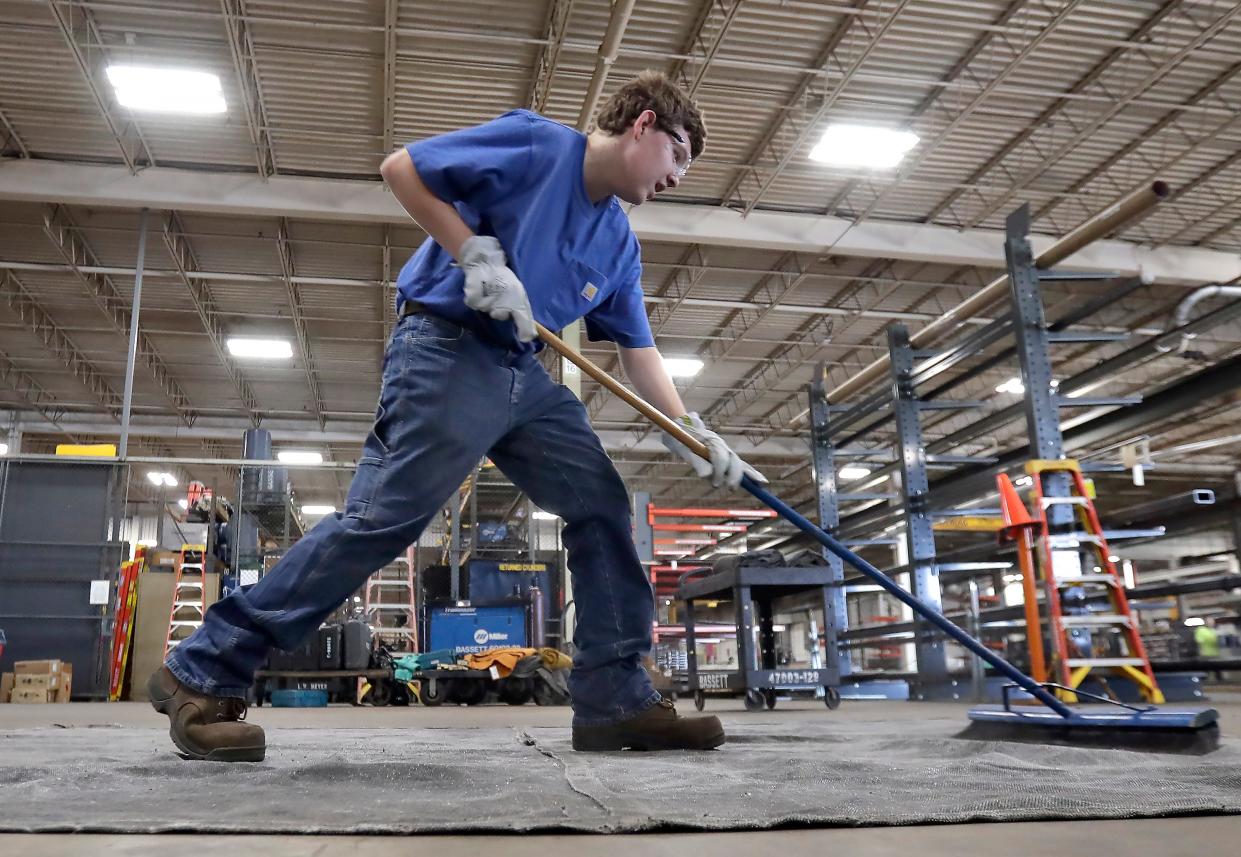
(492, 287)
(725, 466)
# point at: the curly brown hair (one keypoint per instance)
(651, 90)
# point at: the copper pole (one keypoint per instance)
(1104, 223)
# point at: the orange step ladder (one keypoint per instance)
(189, 596)
(1059, 579)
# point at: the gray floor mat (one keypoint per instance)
(508, 780)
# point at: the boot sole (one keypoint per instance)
(220, 754)
(644, 743)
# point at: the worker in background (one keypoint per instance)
(1207, 639)
(525, 223)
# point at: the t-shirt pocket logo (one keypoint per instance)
(590, 282)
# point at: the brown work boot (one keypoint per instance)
(206, 727)
(657, 728)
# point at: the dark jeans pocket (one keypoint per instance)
(432, 327)
(366, 481)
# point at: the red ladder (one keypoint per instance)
(122, 635)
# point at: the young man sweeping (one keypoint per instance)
(525, 224)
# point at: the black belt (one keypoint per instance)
(407, 308)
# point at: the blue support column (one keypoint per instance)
(835, 613)
(919, 535)
(1030, 329)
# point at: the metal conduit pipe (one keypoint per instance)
(621, 10)
(1180, 316)
(1097, 227)
(1164, 507)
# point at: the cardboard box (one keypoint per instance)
(37, 667)
(32, 696)
(161, 560)
(53, 684)
(6, 686)
(44, 681)
(66, 685)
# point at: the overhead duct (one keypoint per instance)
(1181, 316)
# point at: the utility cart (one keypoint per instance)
(336, 682)
(752, 590)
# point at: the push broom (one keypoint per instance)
(1111, 724)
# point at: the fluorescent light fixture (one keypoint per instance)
(318, 510)
(1012, 385)
(167, 90)
(1194, 622)
(162, 478)
(540, 515)
(4, 449)
(260, 349)
(148, 543)
(867, 146)
(183, 503)
(853, 471)
(683, 367)
(298, 456)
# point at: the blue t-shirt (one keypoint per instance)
(519, 179)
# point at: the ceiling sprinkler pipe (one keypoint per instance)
(622, 10)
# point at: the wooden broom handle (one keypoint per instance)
(635, 401)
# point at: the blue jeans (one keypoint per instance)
(448, 398)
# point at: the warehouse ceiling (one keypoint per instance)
(1067, 106)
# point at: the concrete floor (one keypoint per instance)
(1170, 837)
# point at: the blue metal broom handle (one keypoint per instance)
(926, 610)
(896, 590)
